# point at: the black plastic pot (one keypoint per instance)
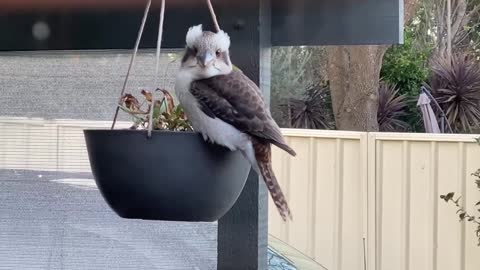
(173, 176)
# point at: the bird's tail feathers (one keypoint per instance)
(275, 190)
(285, 148)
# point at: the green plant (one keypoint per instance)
(406, 66)
(294, 70)
(166, 115)
(391, 109)
(312, 110)
(461, 211)
(456, 87)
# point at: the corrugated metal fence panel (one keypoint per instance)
(344, 186)
(49, 145)
(352, 194)
(26, 145)
(415, 228)
(326, 187)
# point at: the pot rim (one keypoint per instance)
(138, 130)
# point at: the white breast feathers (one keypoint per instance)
(212, 129)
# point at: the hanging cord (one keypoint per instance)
(132, 60)
(159, 42)
(157, 67)
(214, 17)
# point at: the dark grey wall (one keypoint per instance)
(111, 26)
(337, 22)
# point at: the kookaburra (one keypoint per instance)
(227, 108)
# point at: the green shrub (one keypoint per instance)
(406, 66)
(455, 84)
(312, 111)
(391, 109)
(295, 70)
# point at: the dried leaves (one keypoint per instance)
(166, 115)
(130, 102)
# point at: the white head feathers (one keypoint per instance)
(193, 34)
(221, 39)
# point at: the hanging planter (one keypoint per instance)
(166, 172)
(170, 176)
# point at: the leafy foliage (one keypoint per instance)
(456, 87)
(406, 66)
(312, 110)
(294, 71)
(462, 213)
(391, 109)
(166, 115)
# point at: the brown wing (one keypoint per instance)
(235, 99)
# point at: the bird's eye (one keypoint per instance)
(218, 52)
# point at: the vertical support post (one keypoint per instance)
(243, 231)
(449, 31)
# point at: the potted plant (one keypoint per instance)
(172, 175)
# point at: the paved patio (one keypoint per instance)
(59, 221)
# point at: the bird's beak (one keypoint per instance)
(204, 59)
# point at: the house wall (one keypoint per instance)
(353, 195)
